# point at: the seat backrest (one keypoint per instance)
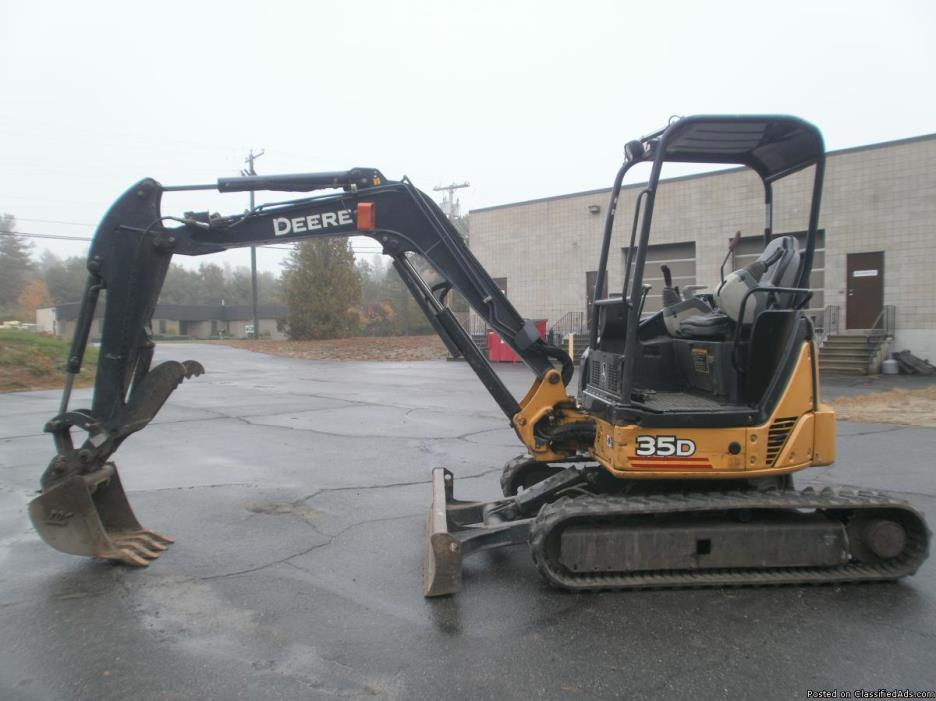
(777, 266)
(784, 271)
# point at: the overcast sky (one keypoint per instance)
(524, 100)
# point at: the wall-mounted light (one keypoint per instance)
(594, 208)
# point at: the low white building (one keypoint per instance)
(184, 320)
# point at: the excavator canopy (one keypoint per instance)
(772, 146)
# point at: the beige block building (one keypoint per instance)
(877, 245)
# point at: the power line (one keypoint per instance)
(253, 249)
(54, 221)
(28, 235)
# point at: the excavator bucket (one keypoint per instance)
(90, 515)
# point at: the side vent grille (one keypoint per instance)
(777, 436)
(605, 376)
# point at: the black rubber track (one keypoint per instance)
(554, 517)
(525, 471)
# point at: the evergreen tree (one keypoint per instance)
(322, 285)
(212, 285)
(269, 288)
(16, 267)
(181, 286)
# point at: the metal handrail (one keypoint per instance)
(474, 325)
(883, 327)
(570, 322)
(828, 323)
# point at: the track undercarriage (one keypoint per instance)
(589, 531)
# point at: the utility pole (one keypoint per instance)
(452, 208)
(452, 213)
(253, 249)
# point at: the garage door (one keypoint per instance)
(681, 259)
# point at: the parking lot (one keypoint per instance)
(297, 492)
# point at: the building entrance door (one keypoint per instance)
(865, 289)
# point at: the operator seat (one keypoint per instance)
(678, 313)
(777, 266)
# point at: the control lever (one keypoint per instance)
(670, 293)
(732, 244)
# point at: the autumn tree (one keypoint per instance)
(34, 296)
(64, 279)
(16, 267)
(382, 286)
(322, 287)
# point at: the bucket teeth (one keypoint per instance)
(149, 542)
(142, 546)
(138, 548)
(158, 537)
(192, 368)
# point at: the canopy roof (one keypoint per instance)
(771, 145)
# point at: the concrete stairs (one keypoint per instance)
(850, 354)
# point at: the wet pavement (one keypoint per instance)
(297, 492)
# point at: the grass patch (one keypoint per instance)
(31, 361)
(910, 407)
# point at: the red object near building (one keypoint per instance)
(500, 352)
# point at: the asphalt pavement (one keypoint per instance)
(297, 492)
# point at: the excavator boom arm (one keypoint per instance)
(129, 258)
(132, 250)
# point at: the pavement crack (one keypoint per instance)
(331, 434)
(193, 486)
(280, 561)
(467, 436)
(330, 538)
(390, 485)
(24, 435)
(217, 417)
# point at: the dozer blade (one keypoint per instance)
(89, 515)
(442, 559)
(457, 529)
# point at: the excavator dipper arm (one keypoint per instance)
(82, 508)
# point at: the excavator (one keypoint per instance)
(671, 465)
